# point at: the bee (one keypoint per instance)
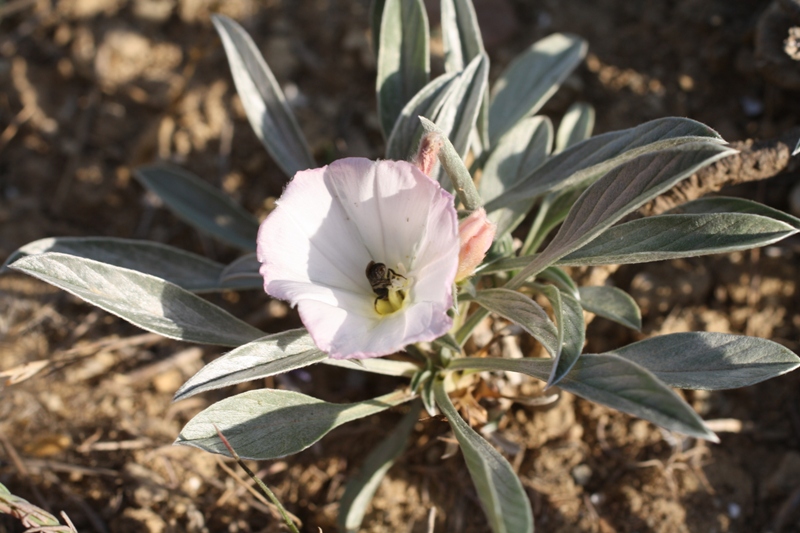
(380, 279)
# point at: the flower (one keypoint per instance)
(475, 233)
(367, 251)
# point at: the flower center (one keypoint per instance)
(390, 287)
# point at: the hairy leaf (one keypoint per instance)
(143, 300)
(726, 204)
(576, 126)
(262, 98)
(200, 205)
(267, 424)
(612, 303)
(521, 310)
(571, 331)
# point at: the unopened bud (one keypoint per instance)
(475, 233)
(428, 153)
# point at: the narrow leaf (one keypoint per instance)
(672, 236)
(407, 130)
(199, 204)
(243, 270)
(571, 331)
(504, 500)
(461, 35)
(560, 279)
(190, 271)
(726, 204)
(619, 192)
(710, 361)
(612, 303)
(403, 58)
(267, 424)
(531, 79)
(143, 300)
(612, 381)
(522, 311)
(359, 491)
(576, 126)
(262, 98)
(267, 356)
(590, 159)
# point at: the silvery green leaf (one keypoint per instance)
(459, 177)
(531, 79)
(504, 500)
(619, 192)
(725, 204)
(267, 423)
(523, 311)
(796, 148)
(710, 361)
(386, 367)
(612, 381)
(359, 491)
(191, 271)
(571, 331)
(403, 58)
(262, 98)
(516, 155)
(576, 126)
(143, 300)
(553, 209)
(462, 101)
(199, 204)
(461, 35)
(243, 270)
(590, 159)
(261, 358)
(449, 342)
(560, 279)
(612, 303)
(663, 237)
(407, 130)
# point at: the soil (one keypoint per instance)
(89, 89)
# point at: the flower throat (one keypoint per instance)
(389, 288)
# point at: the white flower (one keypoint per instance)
(368, 251)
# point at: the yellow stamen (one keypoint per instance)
(392, 304)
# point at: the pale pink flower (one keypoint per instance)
(475, 234)
(334, 222)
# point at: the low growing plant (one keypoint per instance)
(411, 253)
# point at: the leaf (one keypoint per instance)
(386, 367)
(619, 192)
(560, 279)
(461, 36)
(244, 270)
(504, 500)
(375, 18)
(359, 491)
(517, 154)
(199, 204)
(462, 102)
(261, 358)
(267, 424)
(590, 159)
(726, 204)
(576, 126)
(270, 116)
(407, 130)
(403, 58)
(522, 311)
(531, 79)
(612, 381)
(187, 270)
(672, 236)
(710, 361)
(143, 300)
(571, 331)
(612, 303)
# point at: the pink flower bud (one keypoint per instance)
(428, 153)
(475, 233)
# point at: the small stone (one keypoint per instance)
(582, 474)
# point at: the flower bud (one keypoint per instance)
(428, 153)
(475, 234)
